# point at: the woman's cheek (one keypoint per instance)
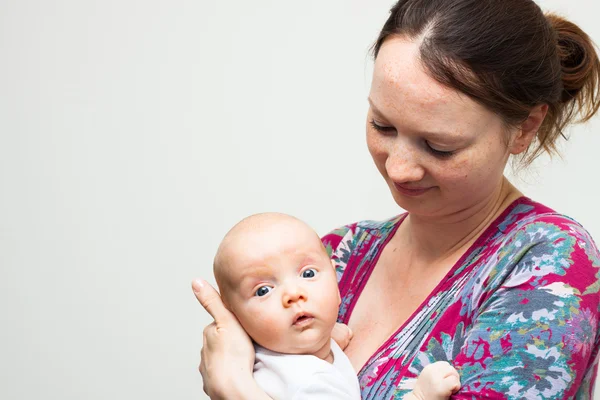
(379, 153)
(453, 173)
(474, 174)
(375, 144)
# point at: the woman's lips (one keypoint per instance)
(410, 191)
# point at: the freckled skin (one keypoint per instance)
(406, 98)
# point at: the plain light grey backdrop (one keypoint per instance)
(133, 134)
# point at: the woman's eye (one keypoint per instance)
(309, 273)
(263, 290)
(381, 128)
(439, 153)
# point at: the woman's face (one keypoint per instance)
(440, 152)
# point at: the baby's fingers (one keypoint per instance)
(342, 335)
(451, 382)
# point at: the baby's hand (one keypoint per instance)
(437, 381)
(342, 335)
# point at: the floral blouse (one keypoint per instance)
(517, 315)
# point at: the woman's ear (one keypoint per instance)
(528, 129)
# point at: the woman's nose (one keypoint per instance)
(292, 295)
(402, 165)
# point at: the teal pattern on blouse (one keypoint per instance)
(517, 315)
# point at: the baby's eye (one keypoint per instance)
(309, 273)
(263, 290)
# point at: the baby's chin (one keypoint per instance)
(307, 344)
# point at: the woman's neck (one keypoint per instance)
(439, 238)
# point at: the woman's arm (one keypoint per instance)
(227, 356)
(536, 334)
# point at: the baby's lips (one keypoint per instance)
(301, 316)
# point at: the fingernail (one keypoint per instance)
(351, 333)
(197, 285)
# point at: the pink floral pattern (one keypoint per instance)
(517, 315)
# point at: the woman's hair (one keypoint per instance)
(508, 56)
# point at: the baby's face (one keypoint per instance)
(282, 287)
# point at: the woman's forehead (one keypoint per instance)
(398, 71)
(401, 89)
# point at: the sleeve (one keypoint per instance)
(535, 335)
(325, 386)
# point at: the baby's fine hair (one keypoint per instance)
(247, 226)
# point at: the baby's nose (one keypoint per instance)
(293, 295)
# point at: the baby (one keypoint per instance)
(274, 274)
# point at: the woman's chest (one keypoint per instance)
(403, 321)
(395, 291)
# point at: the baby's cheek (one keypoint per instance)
(329, 303)
(267, 322)
(263, 323)
(271, 334)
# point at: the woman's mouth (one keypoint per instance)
(410, 191)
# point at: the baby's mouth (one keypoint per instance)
(303, 319)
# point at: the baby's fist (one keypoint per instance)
(342, 335)
(437, 381)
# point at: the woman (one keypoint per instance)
(474, 273)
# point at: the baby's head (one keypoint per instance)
(276, 277)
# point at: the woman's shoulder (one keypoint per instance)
(535, 244)
(537, 220)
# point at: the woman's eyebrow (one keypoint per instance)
(374, 107)
(441, 135)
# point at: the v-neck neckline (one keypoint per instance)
(484, 237)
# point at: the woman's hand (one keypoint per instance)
(342, 335)
(227, 357)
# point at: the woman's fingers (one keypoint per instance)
(211, 301)
(226, 346)
(202, 367)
